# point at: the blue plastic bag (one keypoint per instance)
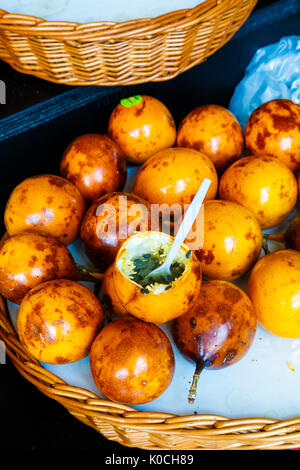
(274, 72)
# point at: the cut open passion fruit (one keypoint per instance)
(154, 300)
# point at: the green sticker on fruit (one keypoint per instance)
(133, 100)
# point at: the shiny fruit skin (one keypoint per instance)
(262, 184)
(214, 131)
(46, 204)
(30, 258)
(58, 321)
(142, 129)
(110, 296)
(219, 329)
(95, 165)
(102, 245)
(173, 176)
(232, 240)
(126, 295)
(274, 289)
(132, 361)
(274, 129)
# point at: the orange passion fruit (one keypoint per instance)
(132, 361)
(109, 221)
(173, 177)
(274, 288)
(262, 184)
(30, 258)
(153, 300)
(95, 165)
(141, 126)
(274, 129)
(218, 330)
(46, 204)
(58, 321)
(232, 240)
(292, 235)
(110, 297)
(214, 131)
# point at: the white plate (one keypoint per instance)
(260, 385)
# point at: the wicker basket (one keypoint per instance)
(107, 53)
(145, 430)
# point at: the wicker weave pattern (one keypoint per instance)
(148, 430)
(132, 52)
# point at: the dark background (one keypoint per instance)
(24, 91)
(29, 420)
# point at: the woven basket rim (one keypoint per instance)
(120, 53)
(187, 17)
(212, 431)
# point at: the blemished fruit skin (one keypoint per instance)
(219, 329)
(173, 176)
(58, 321)
(262, 184)
(274, 129)
(214, 131)
(232, 240)
(142, 129)
(95, 165)
(132, 361)
(110, 296)
(46, 204)
(274, 289)
(30, 258)
(109, 221)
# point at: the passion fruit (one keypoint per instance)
(110, 297)
(274, 289)
(218, 330)
(132, 361)
(262, 184)
(274, 129)
(58, 321)
(214, 131)
(232, 240)
(46, 204)
(153, 300)
(141, 126)
(109, 221)
(30, 258)
(292, 235)
(95, 165)
(172, 177)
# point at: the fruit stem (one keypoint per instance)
(276, 237)
(86, 275)
(200, 364)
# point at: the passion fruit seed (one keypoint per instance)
(145, 264)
